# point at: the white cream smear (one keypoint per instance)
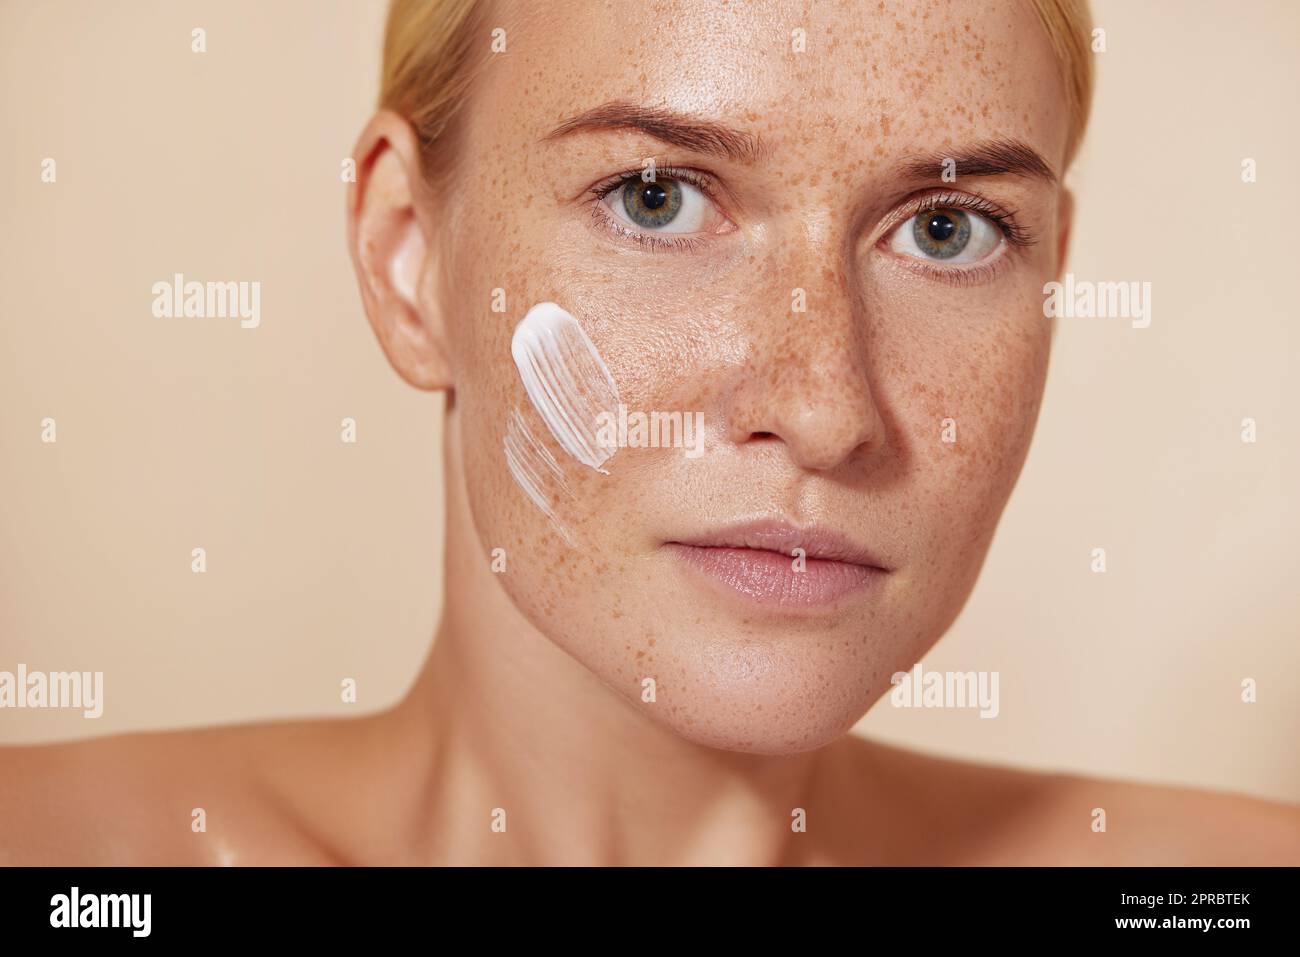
(566, 379)
(532, 464)
(569, 385)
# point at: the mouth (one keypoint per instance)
(781, 565)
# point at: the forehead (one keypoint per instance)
(870, 76)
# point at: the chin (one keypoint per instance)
(774, 730)
(725, 685)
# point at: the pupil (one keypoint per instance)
(653, 196)
(940, 227)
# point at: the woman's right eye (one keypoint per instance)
(664, 205)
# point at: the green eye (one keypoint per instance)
(652, 205)
(941, 233)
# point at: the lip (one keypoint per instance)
(757, 560)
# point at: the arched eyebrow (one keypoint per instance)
(668, 126)
(1004, 157)
(999, 157)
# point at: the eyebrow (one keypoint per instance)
(1005, 157)
(1002, 157)
(677, 129)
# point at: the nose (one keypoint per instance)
(805, 381)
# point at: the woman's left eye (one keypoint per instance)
(662, 206)
(947, 236)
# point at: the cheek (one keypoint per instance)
(560, 560)
(635, 315)
(969, 422)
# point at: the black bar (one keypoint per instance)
(639, 906)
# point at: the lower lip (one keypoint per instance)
(770, 578)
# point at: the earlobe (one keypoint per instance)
(395, 253)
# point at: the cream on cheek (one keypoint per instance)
(570, 387)
(535, 470)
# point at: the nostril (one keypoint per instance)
(763, 435)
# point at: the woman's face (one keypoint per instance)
(867, 358)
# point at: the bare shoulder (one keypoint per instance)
(1170, 825)
(193, 796)
(968, 812)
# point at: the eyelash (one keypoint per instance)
(1004, 219)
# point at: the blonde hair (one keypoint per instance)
(430, 64)
(1069, 29)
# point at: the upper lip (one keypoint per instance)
(783, 537)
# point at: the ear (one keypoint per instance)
(395, 253)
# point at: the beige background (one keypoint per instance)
(323, 558)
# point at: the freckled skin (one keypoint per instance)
(534, 701)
